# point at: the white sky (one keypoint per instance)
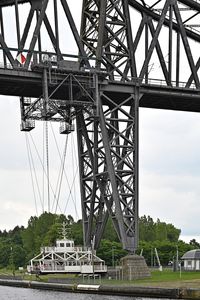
(169, 166)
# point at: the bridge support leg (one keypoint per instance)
(108, 157)
(134, 267)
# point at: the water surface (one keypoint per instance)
(8, 293)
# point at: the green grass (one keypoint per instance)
(166, 278)
(169, 275)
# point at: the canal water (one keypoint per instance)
(13, 293)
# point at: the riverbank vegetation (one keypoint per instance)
(19, 245)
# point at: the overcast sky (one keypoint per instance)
(169, 167)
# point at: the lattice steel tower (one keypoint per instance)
(101, 87)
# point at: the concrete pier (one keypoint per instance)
(134, 267)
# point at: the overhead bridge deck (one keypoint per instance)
(155, 94)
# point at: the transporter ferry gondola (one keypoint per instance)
(65, 257)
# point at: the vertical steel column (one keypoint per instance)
(146, 49)
(26, 29)
(56, 30)
(2, 33)
(75, 32)
(17, 22)
(39, 39)
(177, 59)
(107, 36)
(82, 175)
(136, 164)
(36, 33)
(131, 63)
(170, 43)
(119, 130)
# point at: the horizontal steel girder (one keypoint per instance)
(157, 95)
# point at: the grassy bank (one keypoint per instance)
(166, 278)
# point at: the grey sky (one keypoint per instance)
(169, 167)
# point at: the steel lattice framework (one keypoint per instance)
(129, 54)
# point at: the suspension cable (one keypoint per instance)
(43, 159)
(38, 155)
(57, 193)
(62, 171)
(47, 164)
(33, 171)
(70, 194)
(60, 157)
(74, 160)
(29, 162)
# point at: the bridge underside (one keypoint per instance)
(159, 96)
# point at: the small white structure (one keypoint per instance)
(191, 260)
(66, 258)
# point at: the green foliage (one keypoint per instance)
(194, 243)
(77, 232)
(110, 233)
(157, 231)
(45, 229)
(167, 251)
(5, 250)
(17, 257)
(111, 252)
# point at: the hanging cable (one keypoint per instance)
(62, 171)
(72, 186)
(47, 165)
(38, 155)
(60, 157)
(74, 174)
(30, 167)
(70, 194)
(43, 159)
(60, 176)
(34, 172)
(35, 176)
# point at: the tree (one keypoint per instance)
(111, 250)
(28, 238)
(173, 233)
(45, 229)
(160, 231)
(109, 233)
(5, 250)
(152, 231)
(52, 235)
(17, 257)
(194, 243)
(77, 232)
(146, 229)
